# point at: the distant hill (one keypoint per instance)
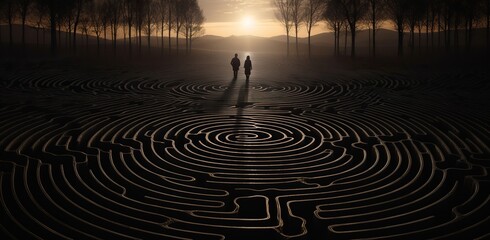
(321, 43)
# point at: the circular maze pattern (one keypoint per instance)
(127, 154)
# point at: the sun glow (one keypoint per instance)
(248, 22)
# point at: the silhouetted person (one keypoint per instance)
(235, 63)
(248, 67)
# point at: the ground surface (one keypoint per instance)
(182, 151)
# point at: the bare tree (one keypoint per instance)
(2, 5)
(432, 10)
(313, 13)
(471, 15)
(124, 22)
(39, 16)
(115, 16)
(283, 14)
(447, 18)
(54, 7)
(458, 16)
(197, 28)
(487, 8)
(129, 15)
(10, 14)
(414, 14)
(96, 12)
(193, 23)
(104, 16)
(149, 19)
(162, 6)
(79, 6)
(181, 7)
(85, 27)
(297, 18)
(139, 11)
(375, 16)
(67, 19)
(397, 11)
(335, 19)
(170, 21)
(24, 8)
(354, 11)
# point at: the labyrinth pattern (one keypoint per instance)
(116, 153)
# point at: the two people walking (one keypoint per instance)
(235, 63)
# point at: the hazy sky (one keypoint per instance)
(241, 17)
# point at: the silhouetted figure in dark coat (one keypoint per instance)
(235, 63)
(248, 67)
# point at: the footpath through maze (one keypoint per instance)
(116, 153)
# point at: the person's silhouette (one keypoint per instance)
(235, 63)
(248, 67)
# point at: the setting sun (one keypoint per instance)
(248, 22)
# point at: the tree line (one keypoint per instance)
(132, 21)
(450, 19)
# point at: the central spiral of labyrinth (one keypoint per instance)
(123, 154)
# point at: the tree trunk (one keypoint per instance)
(115, 38)
(420, 39)
(149, 40)
(297, 46)
(11, 38)
(98, 43)
(75, 27)
(59, 33)
(287, 42)
(44, 37)
(177, 39)
(353, 41)
(130, 38)
(369, 41)
(163, 42)
(53, 30)
(439, 31)
(68, 34)
(140, 39)
(448, 36)
(67, 38)
(23, 31)
(186, 40)
(412, 39)
(456, 34)
(169, 30)
(427, 19)
(148, 25)
(374, 41)
(37, 37)
(309, 44)
(400, 41)
(338, 41)
(373, 21)
(432, 28)
(470, 34)
(345, 41)
(488, 25)
(124, 35)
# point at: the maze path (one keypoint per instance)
(127, 154)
